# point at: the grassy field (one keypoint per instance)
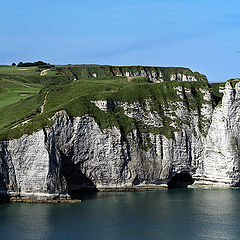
(14, 91)
(20, 83)
(13, 88)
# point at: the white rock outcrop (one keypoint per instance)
(157, 76)
(221, 159)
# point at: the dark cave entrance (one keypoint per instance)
(3, 190)
(180, 180)
(77, 182)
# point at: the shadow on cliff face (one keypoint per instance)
(77, 182)
(180, 180)
(236, 185)
(3, 190)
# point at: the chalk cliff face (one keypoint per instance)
(221, 159)
(75, 152)
(157, 76)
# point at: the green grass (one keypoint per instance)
(20, 83)
(19, 102)
(32, 75)
(75, 97)
(17, 71)
(13, 91)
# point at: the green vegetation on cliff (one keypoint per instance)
(73, 88)
(102, 71)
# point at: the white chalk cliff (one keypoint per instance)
(77, 153)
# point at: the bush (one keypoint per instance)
(34, 64)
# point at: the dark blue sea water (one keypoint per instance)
(175, 214)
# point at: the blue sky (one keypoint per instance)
(200, 34)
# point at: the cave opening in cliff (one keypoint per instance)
(77, 181)
(180, 180)
(4, 197)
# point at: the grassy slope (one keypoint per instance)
(12, 87)
(20, 83)
(14, 91)
(75, 97)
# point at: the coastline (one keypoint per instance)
(75, 197)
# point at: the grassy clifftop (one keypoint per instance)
(17, 83)
(61, 91)
(102, 71)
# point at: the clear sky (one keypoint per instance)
(203, 35)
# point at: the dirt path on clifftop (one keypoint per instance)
(44, 72)
(44, 102)
(28, 120)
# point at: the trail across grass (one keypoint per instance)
(18, 83)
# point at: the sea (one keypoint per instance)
(176, 214)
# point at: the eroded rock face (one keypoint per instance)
(157, 77)
(221, 159)
(76, 153)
